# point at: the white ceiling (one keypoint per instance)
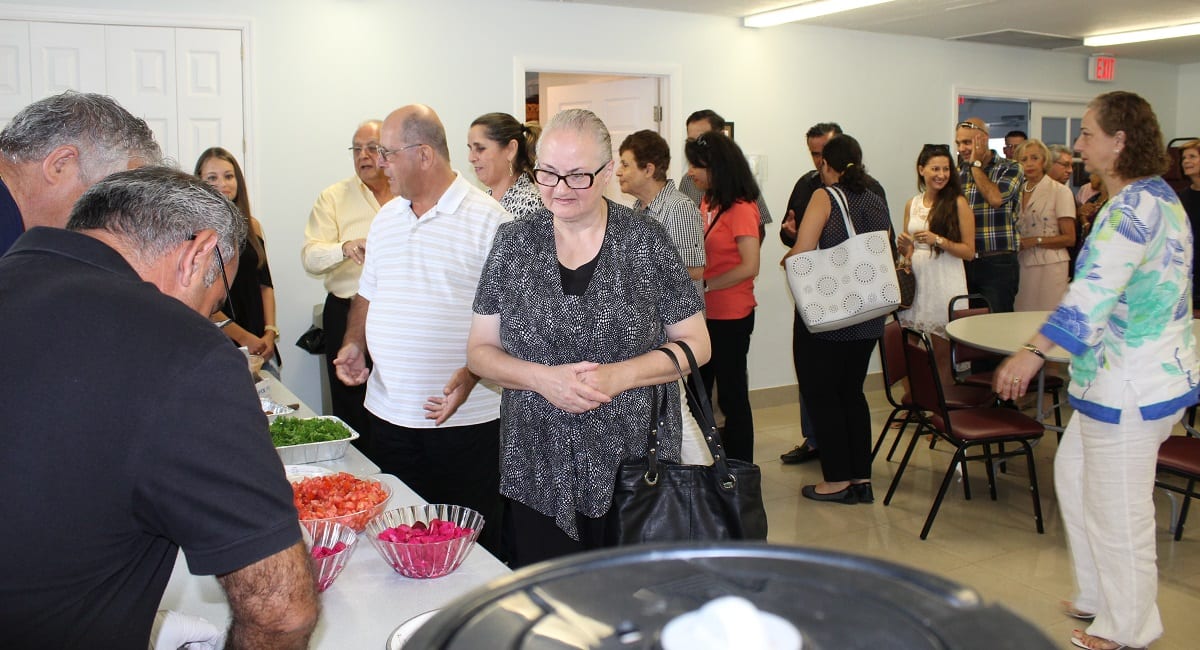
(950, 19)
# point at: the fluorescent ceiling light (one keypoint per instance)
(1140, 35)
(806, 11)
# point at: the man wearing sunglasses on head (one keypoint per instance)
(990, 184)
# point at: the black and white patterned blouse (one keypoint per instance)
(521, 200)
(557, 462)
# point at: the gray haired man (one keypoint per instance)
(56, 148)
(135, 423)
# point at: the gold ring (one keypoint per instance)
(1016, 380)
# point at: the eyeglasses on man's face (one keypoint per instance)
(371, 149)
(386, 154)
(575, 181)
(225, 282)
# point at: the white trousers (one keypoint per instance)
(1104, 477)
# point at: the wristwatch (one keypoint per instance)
(274, 330)
(976, 163)
(937, 241)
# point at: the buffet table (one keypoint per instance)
(368, 600)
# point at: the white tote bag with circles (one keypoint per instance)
(847, 284)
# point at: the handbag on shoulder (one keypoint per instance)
(907, 281)
(655, 500)
(846, 284)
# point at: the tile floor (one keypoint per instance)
(992, 547)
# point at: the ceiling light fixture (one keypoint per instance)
(1138, 36)
(805, 11)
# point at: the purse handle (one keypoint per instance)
(702, 411)
(836, 193)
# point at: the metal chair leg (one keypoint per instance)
(1033, 486)
(991, 469)
(903, 464)
(1183, 511)
(937, 501)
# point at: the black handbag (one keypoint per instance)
(312, 341)
(655, 500)
(908, 284)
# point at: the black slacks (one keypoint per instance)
(831, 380)
(347, 401)
(454, 465)
(727, 369)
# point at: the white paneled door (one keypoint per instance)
(186, 83)
(624, 106)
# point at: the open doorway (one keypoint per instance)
(624, 102)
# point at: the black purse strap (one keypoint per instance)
(702, 411)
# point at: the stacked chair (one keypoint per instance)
(1179, 456)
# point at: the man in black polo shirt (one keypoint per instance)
(131, 428)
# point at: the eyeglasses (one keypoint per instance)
(386, 153)
(225, 281)
(372, 149)
(970, 125)
(1068, 163)
(576, 181)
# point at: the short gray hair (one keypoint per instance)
(156, 208)
(1057, 150)
(584, 122)
(107, 135)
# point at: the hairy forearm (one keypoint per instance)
(273, 602)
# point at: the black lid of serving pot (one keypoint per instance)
(622, 598)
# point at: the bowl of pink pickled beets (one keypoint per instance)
(332, 544)
(426, 541)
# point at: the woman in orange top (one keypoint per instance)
(731, 245)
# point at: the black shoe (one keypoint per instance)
(801, 454)
(847, 495)
(863, 492)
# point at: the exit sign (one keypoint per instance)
(1102, 67)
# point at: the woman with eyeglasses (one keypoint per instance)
(1126, 321)
(731, 247)
(1046, 222)
(251, 303)
(831, 382)
(570, 309)
(502, 151)
(939, 233)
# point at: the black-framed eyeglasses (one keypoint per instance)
(224, 281)
(372, 149)
(575, 181)
(386, 153)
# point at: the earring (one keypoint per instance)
(511, 171)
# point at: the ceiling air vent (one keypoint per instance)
(1018, 38)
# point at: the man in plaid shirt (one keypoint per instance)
(991, 185)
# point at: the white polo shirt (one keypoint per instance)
(420, 276)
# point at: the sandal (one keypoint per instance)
(901, 418)
(1081, 639)
(1069, 609)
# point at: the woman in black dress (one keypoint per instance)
(251, 302)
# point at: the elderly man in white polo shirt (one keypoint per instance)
(432, 423)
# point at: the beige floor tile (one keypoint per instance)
(992, 547)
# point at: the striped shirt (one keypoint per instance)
(420, 278)
(995, 228)
(676, 212)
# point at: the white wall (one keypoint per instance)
(319, 67)
(1189, 102)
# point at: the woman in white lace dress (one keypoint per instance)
(939, 233)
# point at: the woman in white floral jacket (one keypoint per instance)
(1127, 322)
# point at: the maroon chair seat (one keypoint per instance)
(973, 431)
(1180, 456)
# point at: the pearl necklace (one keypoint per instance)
(1029, 190)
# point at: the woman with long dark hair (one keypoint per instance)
(831, 383)
(251, 302)
(939, 233)
(501, 151)
(731, 246)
